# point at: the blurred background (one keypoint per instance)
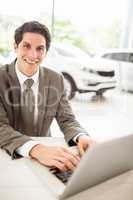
(89, 25)
(92, 47)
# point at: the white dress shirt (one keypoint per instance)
(25, 148)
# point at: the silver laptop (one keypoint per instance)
(102, 162)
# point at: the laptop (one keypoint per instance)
(104, 161)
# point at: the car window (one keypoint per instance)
(113, 56)
(64, 52)
(70, 51)
(122, 57)
(126, 57)
(107, 55)
(131, 57)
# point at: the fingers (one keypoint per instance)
(69, 162)
(85, 143)
(81, 150)
(72, 159)
(58, 157)
(65, 166)
(73, 154)
(66, 160)
(59, 165)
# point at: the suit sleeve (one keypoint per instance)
(65, 117)
(10, 139)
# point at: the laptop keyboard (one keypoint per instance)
(63, 176)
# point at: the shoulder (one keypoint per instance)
(3, 68)
(6, 68)
(54, 78)
(4, 71)
(52, 74)
(7, 75)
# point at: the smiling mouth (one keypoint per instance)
(31, 62)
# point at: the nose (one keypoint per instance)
(32, 54)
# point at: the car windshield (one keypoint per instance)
(70, 50)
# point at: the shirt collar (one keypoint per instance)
(22, 77)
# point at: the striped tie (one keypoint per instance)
(28, 106)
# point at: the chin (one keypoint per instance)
(30, 70)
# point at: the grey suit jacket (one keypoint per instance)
(52, 104)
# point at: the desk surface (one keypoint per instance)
(22, 179)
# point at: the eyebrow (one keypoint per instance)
(40, 46)
(26, 42)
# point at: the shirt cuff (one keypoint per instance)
(26, 147)
(76, 137)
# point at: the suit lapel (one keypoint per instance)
(42, 97)
(15, 91)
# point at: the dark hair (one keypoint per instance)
(33, 27)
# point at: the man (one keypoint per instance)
(32, 41)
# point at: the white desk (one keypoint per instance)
(20, 179)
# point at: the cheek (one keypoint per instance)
(44, 55)
(20, 52)
(41, 56)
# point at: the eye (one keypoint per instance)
(41, 49)
(26, 46)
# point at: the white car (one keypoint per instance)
(82, 74)
(123, 66)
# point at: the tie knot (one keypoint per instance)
(28, 83)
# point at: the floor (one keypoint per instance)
(107, 117)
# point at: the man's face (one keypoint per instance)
(30, 52)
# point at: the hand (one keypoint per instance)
(84, 142)
(59, 157)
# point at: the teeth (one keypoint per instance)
(30, 62)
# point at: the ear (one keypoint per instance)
(15, 47)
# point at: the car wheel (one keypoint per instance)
(70, 86)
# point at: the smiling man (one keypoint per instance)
(31, 97)
(30, 52)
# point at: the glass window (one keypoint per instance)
(118, 56)
(122, 57)
(107, 55)
(131, 57)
